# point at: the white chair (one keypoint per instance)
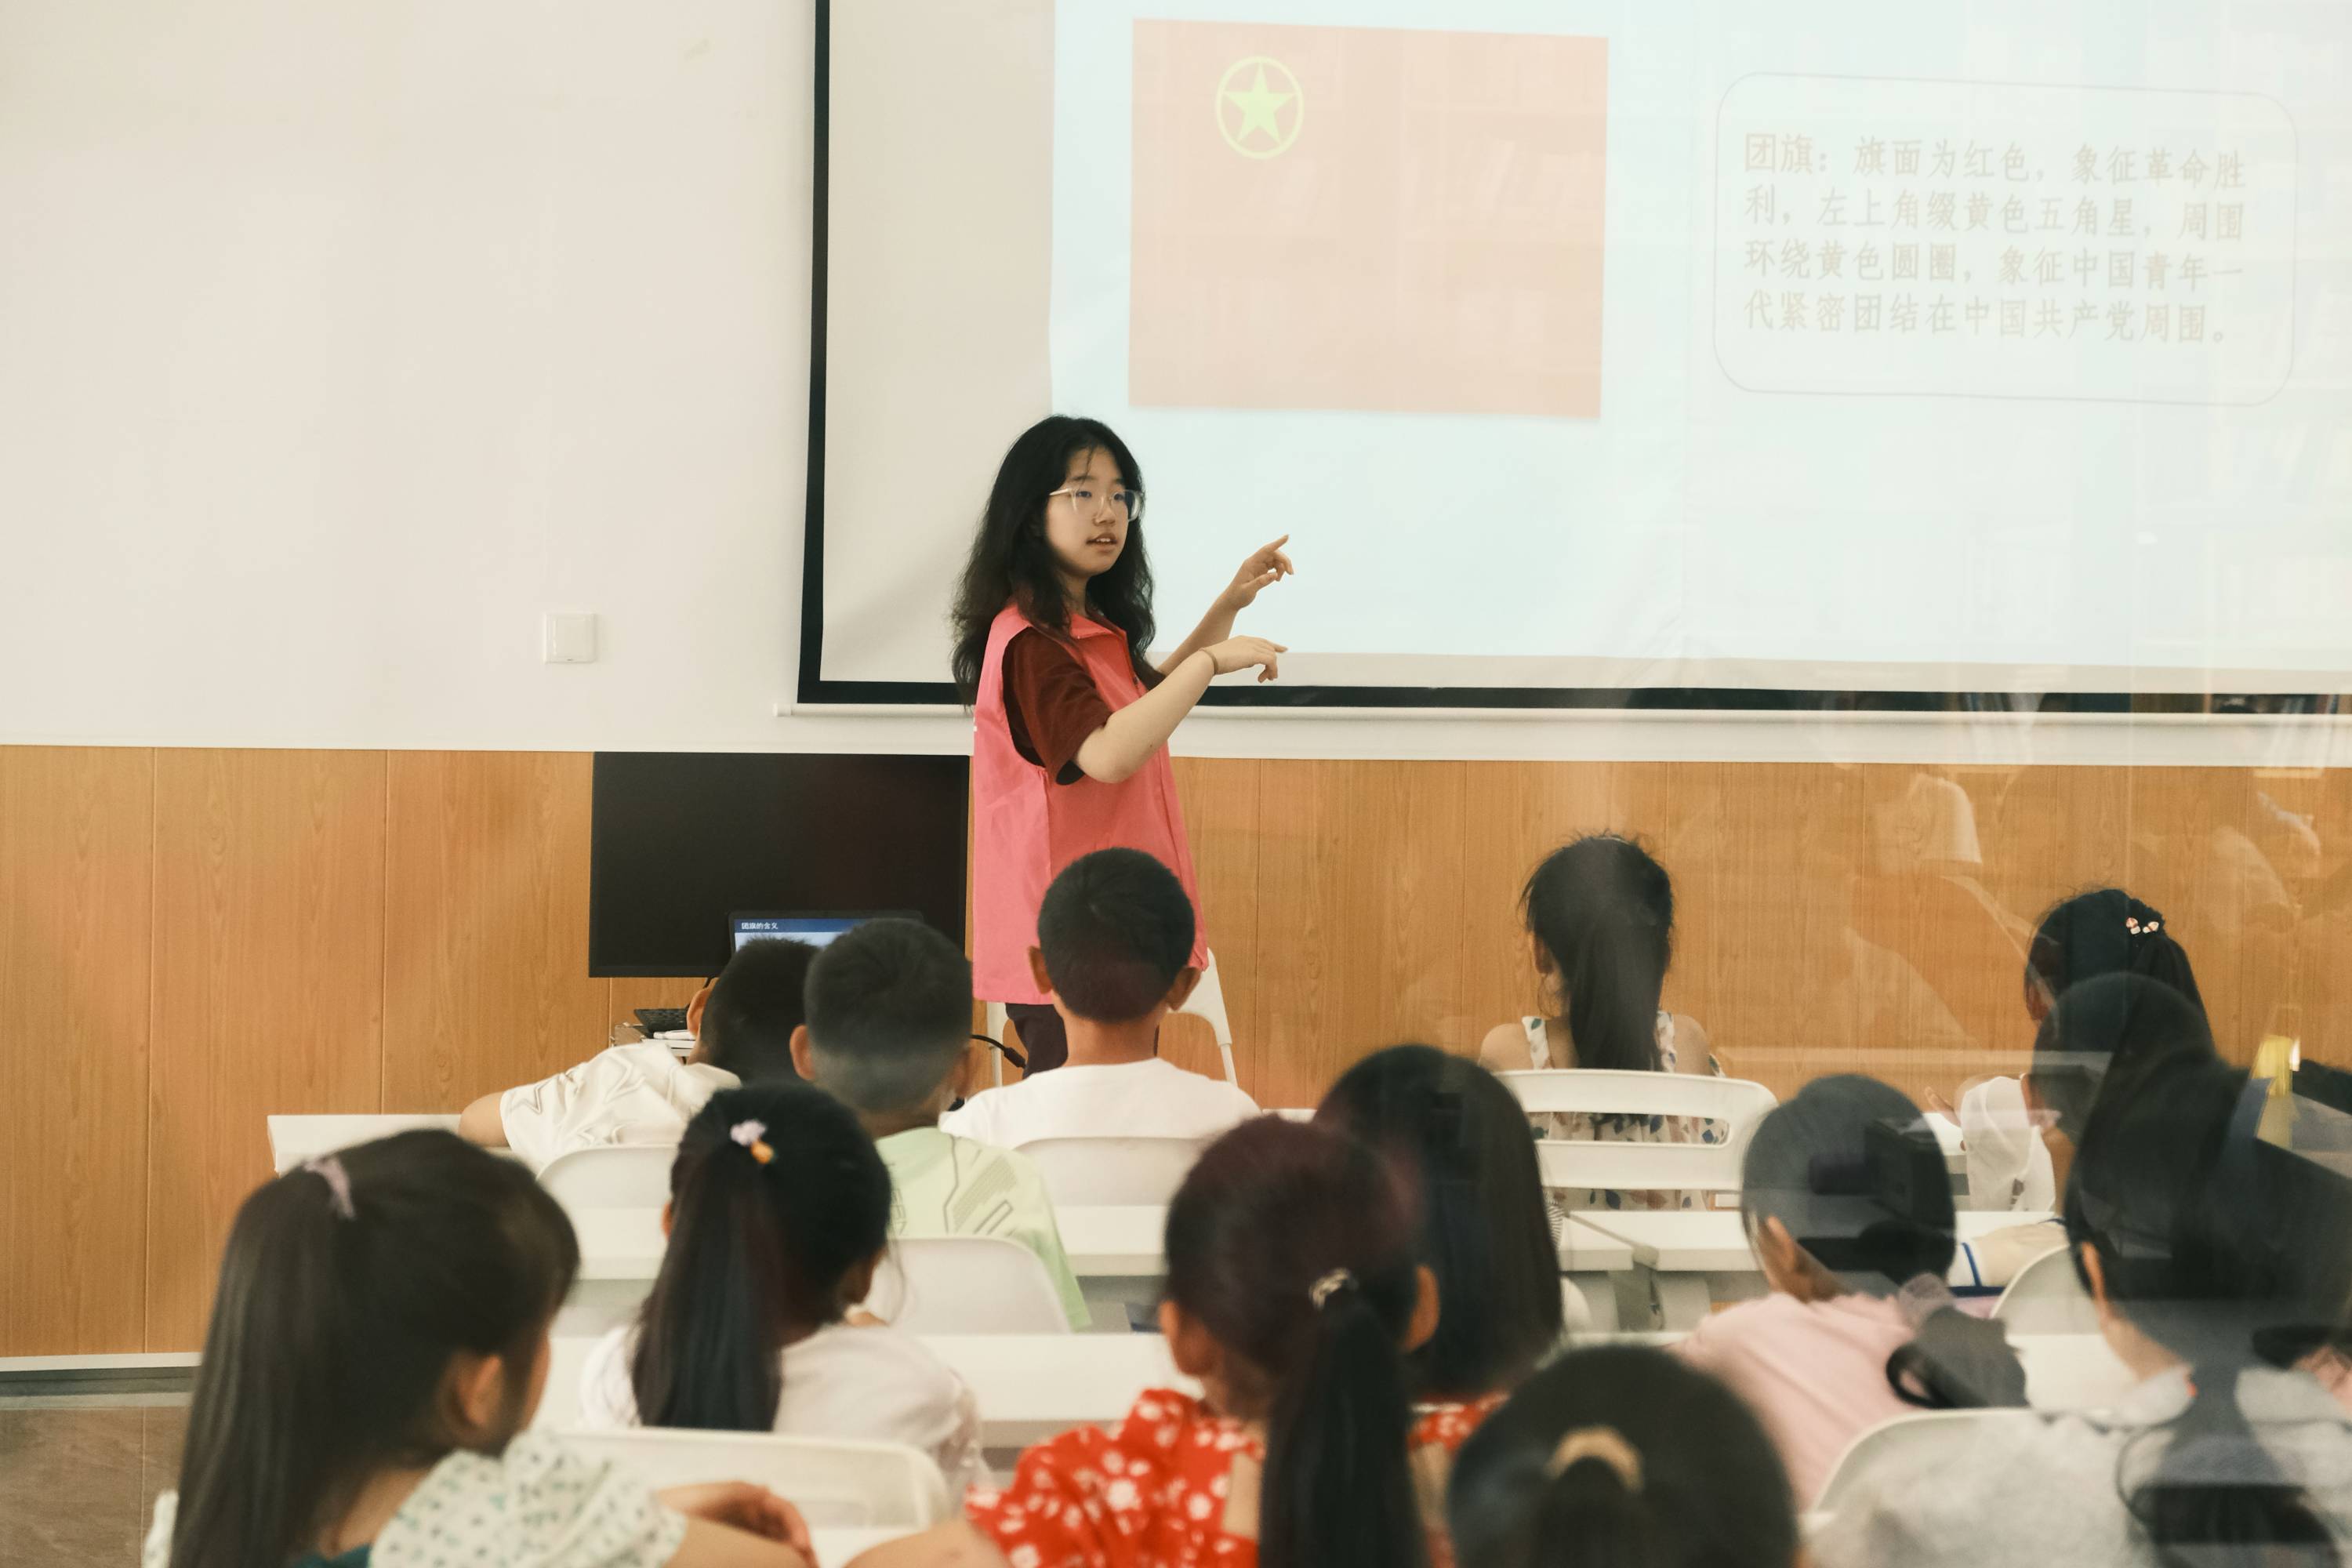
(834, 1482)
(1114, 1173)
(626, 1176)
(1207, 1004)
(1635, 1167)
(2047, 1298)
(966, 1285)
(1933, 1433)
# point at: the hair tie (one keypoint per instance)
(1605, 1444)
(329, 1170)
(753, 1135)
(1330, 1285)
(2133, 926)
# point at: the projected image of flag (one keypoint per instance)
(1363, 217)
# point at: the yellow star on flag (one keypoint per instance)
(1257, 104)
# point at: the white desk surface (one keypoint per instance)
(1126, 1243)
(294, 1139)
(1713, 1241)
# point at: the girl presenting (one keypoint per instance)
(1070, 721)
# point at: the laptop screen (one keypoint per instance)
(814, 929)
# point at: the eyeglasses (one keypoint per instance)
(1089, 502)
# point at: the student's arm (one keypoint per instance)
(1126, 741)
(956, 1545)
(734, 1524)
(1504, 1048)
(1264, 567)
(712, 1545)
(481, 1123)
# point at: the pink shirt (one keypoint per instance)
(1026, 828)
(1815, 1372)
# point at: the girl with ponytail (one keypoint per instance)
(377, 1349)
(1848, 1207)
(1601, 919)
(2214, 1260)
(1621, 1456)
(1294, 1297)
(779, 1215)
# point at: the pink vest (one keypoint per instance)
(1026, 828)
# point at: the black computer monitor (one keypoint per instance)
(682, 843)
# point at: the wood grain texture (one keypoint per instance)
(268, 994)
(76, 908)
(486, 938)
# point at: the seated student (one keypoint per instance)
(1460, 1141)
(1848, 1204)
(779, 1213)
(2097, 1034)
(1600, 919)
(1621, 1456)
(889, 1016)
(1114, 950)
(377, 1347)
(641, 1093)
(1293, 1296)
(2211, 1256)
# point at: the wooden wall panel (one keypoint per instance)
(268, 994)
(1221, 816)
(76, 895)
(485, 938)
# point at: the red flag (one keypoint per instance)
(1367, 217)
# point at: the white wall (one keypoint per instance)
(338, 343)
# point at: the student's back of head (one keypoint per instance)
(1621, 1456)
(754, 1006)
(1848, 1173)
(1115, 935)
(1291, 1247)
(780, 1208)
(348, 1290)
(889, 1013)
(1461, 1140)
(2216, 1246)
(1602, 910)
(2103, 931)
(2108, 1027)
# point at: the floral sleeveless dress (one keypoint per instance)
(1587, 1127)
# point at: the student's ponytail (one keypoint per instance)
(776, 1197)
(1291, 1244)
(1604, 910)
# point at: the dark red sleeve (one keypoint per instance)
(1051, 704)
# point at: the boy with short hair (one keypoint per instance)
(1114, 945)
(641, 1092)
(890, 1019)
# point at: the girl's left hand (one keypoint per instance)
(746, 1507)
(1265, 566)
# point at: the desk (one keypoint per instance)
(294, 1139)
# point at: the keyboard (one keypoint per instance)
(660, 1020)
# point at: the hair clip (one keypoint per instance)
(329, 1170)
(753, 1135)
(1330, 1285)
(2133, 926)
(1605, 1444)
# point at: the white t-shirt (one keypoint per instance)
(1150, 1098)
(630, 1094)
(873, 1384)
(536, 1505)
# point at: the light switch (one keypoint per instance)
(570, 639)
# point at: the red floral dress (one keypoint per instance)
(1160, 1492)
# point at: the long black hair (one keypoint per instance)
(1604, 910)
(2105, 1026)
(1273, 1215)
(1621, 1456)
(2104, 931)
(347, 1288)
(1011, 561)
(759, 1250)
(1849, 1169)
(1460, 1138)
(2212, 1242)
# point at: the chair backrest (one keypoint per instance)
(2047, 1298)
(1114, 1173)
(1736, 1103)
(966, 1285)
(627, 1176)
(1935, 1432)
(834, 1482)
